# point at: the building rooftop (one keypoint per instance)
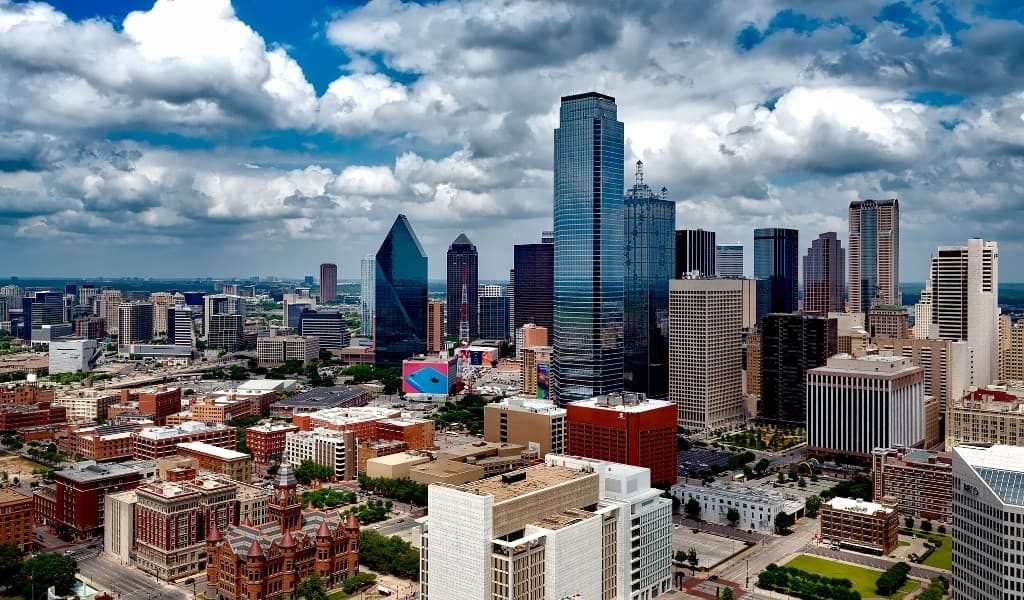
(858, 506)
(212, 450)
(268, 385)
(165, 489)
(1000, 467)
(10, 495)
(463, 451)
(523, 482)
(400, 458)
(271, 426)
(626, 402)
(564, 519)
(187, 428)
(90, 470)
(344, 415)
(531, 405)
(884, 363)
(735, 492)
(324, 398)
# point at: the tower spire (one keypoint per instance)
(639, 173)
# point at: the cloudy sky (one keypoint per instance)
(201, 137)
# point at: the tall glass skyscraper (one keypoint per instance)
(532, 284)
(874, 253)
(463, 318)
(400, 290)
(729, 260)
(776, 264)
(695, 252)
(824, 275)
(367, 296)
(650, 257)
(589, 251)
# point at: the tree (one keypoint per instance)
(908, 522)
(812, 505)
(692, 508)
(783, 521)
(726, 594)
(926, 526)
(11, 558)
(762, 467)
(781, 478)
(312, 588)
(942, 528)
(792, 474)
(357, 582)
(309, 471)
(691, 559)
(893, 578)
(45, 570)
(801, 483)
(733, 516)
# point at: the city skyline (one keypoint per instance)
(178, 156)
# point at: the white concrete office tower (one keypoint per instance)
(704, 368)
(180, 326)
(367, 294)
(729, 260)
(570, 528)
(324, 447)
(988, 519)
(73, 356)
(965, 303)
(923, 310)
(855, 405)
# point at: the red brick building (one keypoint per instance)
(266, 440)
(15, 518)
(266, 561)
(44, 505)
(81, 490)
(628, 429)
(152, 443)
(103, 442)
(15, 417)
(159, 402)
(26, 394)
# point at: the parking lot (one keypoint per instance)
(692, 462)
(711, 549)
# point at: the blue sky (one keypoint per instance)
(210, 138)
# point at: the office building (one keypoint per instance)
(119, 533)
(334, 449)
(25, 394)
(535, 372)
(13, 294)
(367, 295)
(874, 253)
(825, 276)
(923, 327)
(944, 362)
(569, 528)
(858, 525)
(88, 404)
(435, 326)
(92, 328)
(179, 326)
(965, 303)
(776, 269)
(293, 305)
(526, 421)
(223, 304)
(625, 428)
(855, 405)
(532, 284)
(1005, 345)
(81, 490)
(493, 316)
(757, 507)
(152, 443)
(328, 282)
(16, 509)
(135, 324)
(696, 252)
(266, 440)
(329, 327)
(223, 461)
(462, 290)
(791, 345)
(161, 301)
(167, 541)
(109, 305)
(159, 401)
(990, 415)
(225, 332)
(400, 329)
(267, 560)
(275, 351)
(988, 510)
(889, 321)
(705, 352)
(729, 261)
(752, 372)
(589, 256)
(73, 356)
(1013, 355)
(650, 221)
(40, 309)
(920, 481)
(13, 418)
(530, 335)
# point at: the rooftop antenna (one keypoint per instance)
(664, 193)
(639, 173)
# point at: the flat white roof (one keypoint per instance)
(995, 456)
(852, 505)
(213, 450)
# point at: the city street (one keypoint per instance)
(774, 549)
(126, 583)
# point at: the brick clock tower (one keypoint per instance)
(284, 506)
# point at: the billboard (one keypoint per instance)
(423, 377)
(542, 381)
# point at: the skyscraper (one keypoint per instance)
(435, 326)
(695, 251)
(729, 260)
(824, 275)
(776, 269)
(494, 317)
(463, 317)
(179, 325)
(328, 282)
(136, 322)
(791, 344)
(874, 253)
(589, 257)
(533, 274)
(41, 308)
(965, 303)
(650, 250)
(400, 326)
(367, 296)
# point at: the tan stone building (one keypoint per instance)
(435, 326)
(230, 463)
(889, 321)
(945, 365)
(534, 357)
(1012, 351)
(993, 415)
(524, 420)
(920, 481)
(395, 466)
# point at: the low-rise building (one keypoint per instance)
(73, 356)
(266, 440)
(80, 493)
(756, 507)
(274, 351)
(103, 442)
(24, 395)
(13, 418)
(370, 449)
(230, 463)
(318, 399)
(158, 442)
(88, 404)
(859, 525)
(920, 481)
(992, 415)
(524, 421)
(16, 518)
(395, 466)
(416, 433)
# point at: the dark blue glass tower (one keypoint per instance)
(650, 258)
(776, 264)
(463, 318)
(400, 327)
(41, 308)
(589, 257)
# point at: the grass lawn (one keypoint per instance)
(942, 558)
(862, 578)
(338, 596)
(902, 543)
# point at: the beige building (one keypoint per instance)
(88, 404)
(533, 335)
(435, 326)
(752, 375)
(109, 308)
(252, 503)
(524, 421)
(993, 415)
(851, 333)
(274, 351)
(945, 365)
(890, 321)
(1012, 355)
(119, 527)
(534, 357)
(161, 302)
(231, 464)
(395, 466)
(705, 374)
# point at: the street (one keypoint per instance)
(772, 550)
(126, 583)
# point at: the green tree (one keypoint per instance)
(941, 530)
(45, 570)
(812, 505)
(11, 559)
(733, 516)
(358, 582)
(692, 560)
(762, 467)
(726, 594)
(693, 508)
(391, 555)
(801, 483)
(312, 588)
(309, 471)
(926, 526)
(783, 521)
(781, 478)
(893, 578)
(908, 522)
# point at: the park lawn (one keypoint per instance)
(862, 578)
(339, 595)
(942, 557)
